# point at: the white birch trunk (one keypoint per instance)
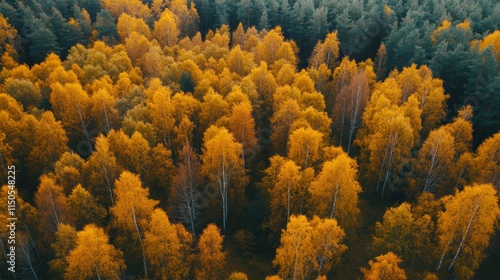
(140, 242)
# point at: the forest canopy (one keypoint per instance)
(251, 139)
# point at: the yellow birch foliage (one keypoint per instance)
(211, 257)
(165, 29)
(164, 249)
(240, 62)
(334, 192)
(325, 52)
(133, 8)
(327, 237)
(136, 45)
(84, 209)
(295, 256)
(93, 256)
(71, 104)
(409, 237)
(305, 146)
(281, 122)
(52, 206)
(486, 164)
(127, 24)
(434, 162)
(386, 138)
(492, 40)
(213, 108)
(51, 142)
(161, 112)
(242, 125)
(65, 242)
(464, 228)
(133, 207)
(384, 267)
(308, 248)
(100, 172)
(287, 195)
(238, 276)
(223, 165)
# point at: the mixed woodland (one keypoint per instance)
(251, 139)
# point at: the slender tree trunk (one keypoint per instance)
(382, 167)
(307, 158)
(108, 128)
(389, 166)
(30, 239)
(5, 255)
(355, 115)
(342, 120)
(190, 197)
(140, 242)
(446, 247)
(110, 189)
(55, 215)
(27, 257)
(334, 200)
(84, 127)
(464, 236)
(297, 246)
(243, 146)
(288, 203)
(428, 185)
(97, 272)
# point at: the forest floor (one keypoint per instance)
(255, 266)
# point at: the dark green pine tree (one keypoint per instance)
(273, 12)
(42, 41)
(264, 21)
(318, 27)
(482, 90)
(92, 7)
(64, 7)
(187, 82)
(245, 12)
(67, 35)
(11, 14)
(84, 26)
(106, 27)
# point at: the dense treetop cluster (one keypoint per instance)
(170, 139)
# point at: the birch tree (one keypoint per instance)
(71, 104)
(465, 227)
(405, 235)
(309, 248)
(434, 161)
(242, 125)
(93, 256)
(211, 257)
(65, 242)
(385, 267)
(185, 189)
(386, 140)
(223, 165)
(295, 255)
(164, 249)
(334, 192)
(486, 165)
(100, 172)
(304, 146)
(52, 206)
(358, 94)
(132, 209)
